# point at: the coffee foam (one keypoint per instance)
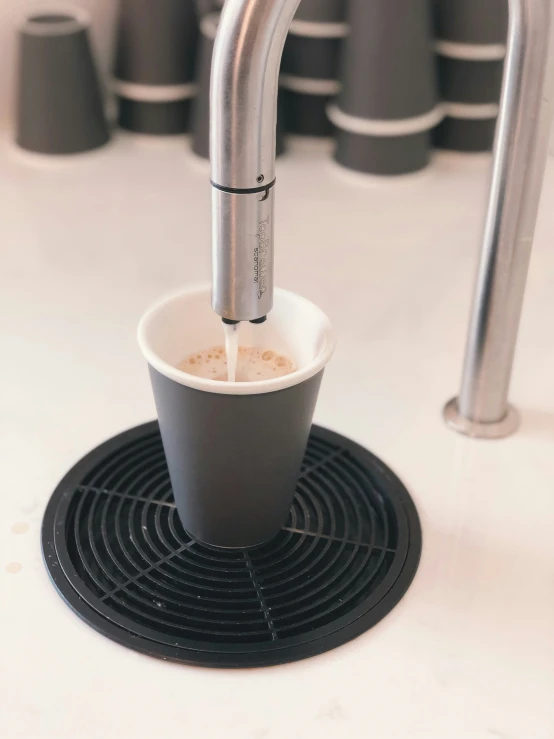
(254, 364)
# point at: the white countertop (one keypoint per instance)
(85, 247)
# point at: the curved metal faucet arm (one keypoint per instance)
(245, 80)
(520, 157)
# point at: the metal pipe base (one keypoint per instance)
(499, 430)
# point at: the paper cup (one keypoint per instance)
(321, 11)
(471, 46)
(388, 101)
(310, 67)
(312, 58)
(305, 114)
(154, 69)
(59, 105)
(471, 82)
(472, 22)
(465, 134)
(383, 155)
(234, 450)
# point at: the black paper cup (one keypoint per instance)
(322, 19)
(200, 117)
(59, 104)
(480, 22)
(310, 67)
(205, 7)
(234, 450)
(200, 124)
(471, 82)
(388, 156)
(304, 105)
(468, 129)
(311, 58)
(388, 101)
(321, 11)
(154, 76)
(471, 47)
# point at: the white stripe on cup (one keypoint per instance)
(209, 25)
(154, 93)
(309, 85)
(471, 52)
(471, 112)
(314, 29)
(376, 127)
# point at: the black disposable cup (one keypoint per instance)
(472, 21)
(305, 113)
(59, 104)
(388, 99)
(471, 48)
(311, 58)
(388, 156)
(471, 135)
(321, 11)
(320, 19)
(154, 76)
(234, 450)
(200, 123)
(472, 82)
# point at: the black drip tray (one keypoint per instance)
(116, 551)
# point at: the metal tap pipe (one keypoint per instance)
(520, 155)
(245, 81)
(245, 72)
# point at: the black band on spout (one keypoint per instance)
(243, 191)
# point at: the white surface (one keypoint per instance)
(86, 247)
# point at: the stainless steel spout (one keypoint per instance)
(244, 88)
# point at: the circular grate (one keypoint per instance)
(116, 551)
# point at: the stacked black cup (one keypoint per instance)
(471, 46)
(387, 105)
(155, 60)
(200, 125)
(310, 66)
(60, 109)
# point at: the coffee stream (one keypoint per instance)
(231, 332)
(234, 363)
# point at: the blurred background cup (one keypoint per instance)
(320, 11)
(59, 103)
(471, 46)
(387, 105)
(234, 450)
(204, 7)
(310, 66)
(200, 125)
(154, 76)
(200, 117)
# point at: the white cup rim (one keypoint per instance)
(234, 388)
